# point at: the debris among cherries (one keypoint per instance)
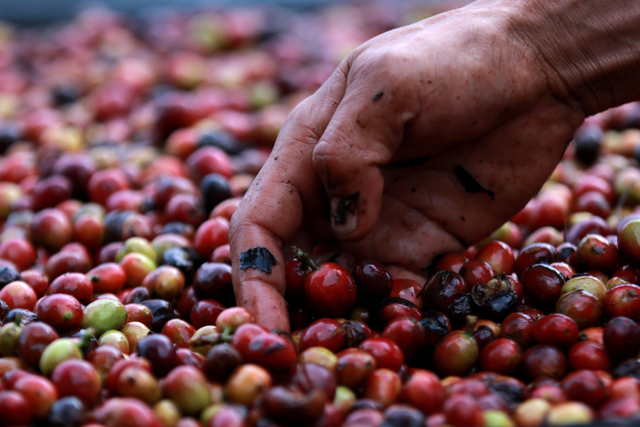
(125, 149)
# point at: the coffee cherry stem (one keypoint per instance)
(304, 258)
(227, 334)
(471, 324)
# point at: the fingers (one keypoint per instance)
(398, 272)
(272, 209)
(365, 131)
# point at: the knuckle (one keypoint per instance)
(301, 124)
(336, 151)
(378, 61)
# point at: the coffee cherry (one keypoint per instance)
(330, 290)
(556, 329)
(544, 361)
(502, 356)
(542, 283)
(457, 353)
(158, 350)
(621, 338)
(373, 282)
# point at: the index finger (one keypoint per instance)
(272, 209)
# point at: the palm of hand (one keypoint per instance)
(494, 118)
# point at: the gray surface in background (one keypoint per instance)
(32, 12)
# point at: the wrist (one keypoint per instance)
(588, 51)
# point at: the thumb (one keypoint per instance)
(364, 133)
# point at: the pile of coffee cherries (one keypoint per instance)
(126, 146)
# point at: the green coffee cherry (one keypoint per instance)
(103, 315)
(57, 352)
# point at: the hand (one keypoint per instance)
(424, 140)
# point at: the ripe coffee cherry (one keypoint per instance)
(271, 351)
(14, 409)
(536, 253)
(462, 410)
(457, 353)
(310, 376)
(407, 333)
(544, 361)
(77, 378)
(518, 327)
(354, 367)
(502, 356)
(209, 160)
(18, 250)
(498, 255)
(295, 271)
(598, 253)
(582, 306)
(622, 338)
(384, 386)
(51, 229)
(589, 355)
(290, 406)
(77, 168)
(373, 282)
(104, 183)
(213, 281)
(398, 307)
(221, 360)
(51, 191)
(39, 392)
(585, 386)
(330, 290)
(451, 261)
(623, 300)
(476, 271)
(556, 329)
(205, 312)
(326, 333)
(125, 410)
(159, 350)
(210, 235)
(387, 353)
(424, 390)
(34, 338)
(77, 285)
(542, 283)
(63, 312)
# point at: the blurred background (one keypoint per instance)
(123, 72)
(43, 11)
(34, 12)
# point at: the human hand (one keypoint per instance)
(424, 140)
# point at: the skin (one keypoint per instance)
(488, 87)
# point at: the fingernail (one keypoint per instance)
(344, 214)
